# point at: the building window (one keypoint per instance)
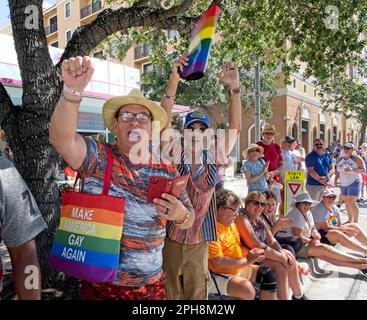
(294, 83)
(305, 88)
(148, 67)
(68, 36)
(67, 10)
(55, 44)
(171, 34)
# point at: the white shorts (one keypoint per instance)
(221, 280)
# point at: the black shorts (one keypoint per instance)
(324, 239)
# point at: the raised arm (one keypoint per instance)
(76, 73)
(230, 79)
(168, 98)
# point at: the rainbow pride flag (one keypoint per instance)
(332, 221)
(87, 243)
(201, 41)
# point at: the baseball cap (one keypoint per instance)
(348, 145)
(288, 139)
(328, 192)
(196, 116)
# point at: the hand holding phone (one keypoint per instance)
(158, 185)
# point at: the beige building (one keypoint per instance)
(296, 108)
(62, 19)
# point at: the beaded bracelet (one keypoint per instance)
(70, 100)
(73, 92)
(169, 97)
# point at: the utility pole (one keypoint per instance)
(257, 100)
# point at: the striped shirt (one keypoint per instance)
(140, 261)
(200, 189)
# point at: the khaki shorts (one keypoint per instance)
(222, 280)
(303, 252)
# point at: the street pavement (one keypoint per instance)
(326, 282)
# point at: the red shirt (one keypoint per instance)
(272, 153)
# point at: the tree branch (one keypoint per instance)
(110, 21)
(6, 105)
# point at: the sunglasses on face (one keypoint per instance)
(347, 148)
(258, 203)
(129, 116)
(330, 197)
(254, 150)
(319, 144)
(234, 210)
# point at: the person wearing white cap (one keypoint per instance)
(303, 226)
(348, 171)
(326, 216)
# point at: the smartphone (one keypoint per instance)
(158, 185)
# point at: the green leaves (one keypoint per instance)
(325, 35)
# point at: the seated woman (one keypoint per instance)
(231, 264)
(326, 216)
(255, 233)
(291, 243)
(255, 169)
(303, 226)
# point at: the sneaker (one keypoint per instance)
(302, 298)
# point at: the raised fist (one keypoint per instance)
(77, 72)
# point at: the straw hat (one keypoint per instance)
(269, 128)
(251, 147)
(112, 105)
(303, 197)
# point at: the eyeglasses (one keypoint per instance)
(258, 203)
(129, 116)
(347, 148)
(234, 210)
(254, 150)
(319, 144)
(306, 203)
(330, 197)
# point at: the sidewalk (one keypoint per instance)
(326, 282)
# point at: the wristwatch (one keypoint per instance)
(233, 91)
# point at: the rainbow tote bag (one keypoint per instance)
(87, 242)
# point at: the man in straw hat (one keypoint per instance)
(272, 152)
(129, 118)
(186, 251)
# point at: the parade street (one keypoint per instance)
(326, 282)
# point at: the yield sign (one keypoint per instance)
(294, 186)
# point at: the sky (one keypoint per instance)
(4, 10)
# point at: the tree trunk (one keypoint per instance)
(26, 126)
(363, 133)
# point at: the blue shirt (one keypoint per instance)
(321, 164)
(254, 168)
